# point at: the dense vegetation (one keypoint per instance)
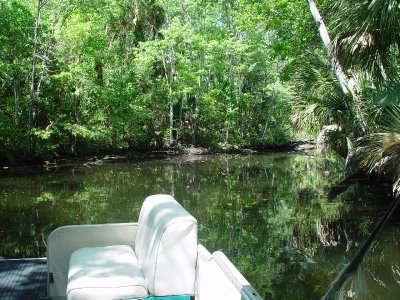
(83, 77)
(79, 77)
(361, 97)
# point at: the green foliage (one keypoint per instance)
(367, 35)
(365, 46)
(319, 99)
(117, 75)
(15, 52)
(379, 152)
(114, 75)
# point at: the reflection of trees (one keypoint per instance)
(261, 211)
(378, 276)
(258, 211)
(329, 232)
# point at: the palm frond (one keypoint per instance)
(385, 102)
(380, 152)
(368, 35)
(320, 100)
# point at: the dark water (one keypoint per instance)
(268, 213)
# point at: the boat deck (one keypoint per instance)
(23, 278)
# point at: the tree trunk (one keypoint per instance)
(167, 76)
(240, 104)
(323, 32)
(32, 93)
(199, 92)
(46, 54)
(273, 96)
(232, 98)
(99, 72)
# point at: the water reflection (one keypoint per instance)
(379, 275)
(269, 213)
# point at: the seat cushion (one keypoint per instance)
(166, 246)
(110, 272)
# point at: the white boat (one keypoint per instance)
(156, 258)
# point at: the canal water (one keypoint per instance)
(270, 214)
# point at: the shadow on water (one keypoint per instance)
(269, 214)
(354, 269)
(368, 281)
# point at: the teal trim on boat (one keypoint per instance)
(180, 297)
(176, 297)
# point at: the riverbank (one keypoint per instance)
(177, 150)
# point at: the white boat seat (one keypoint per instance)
(163, 262)
(111, 272)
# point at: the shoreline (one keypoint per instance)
(177, 151)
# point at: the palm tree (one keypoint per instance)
(380, 152)
(319, 99)
(367, 36)
(366, 46)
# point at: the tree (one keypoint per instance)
(117, 75)
(32, 90)
(326, 40)
(15, 55)
(367, 35)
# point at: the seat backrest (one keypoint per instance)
(166, 246)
